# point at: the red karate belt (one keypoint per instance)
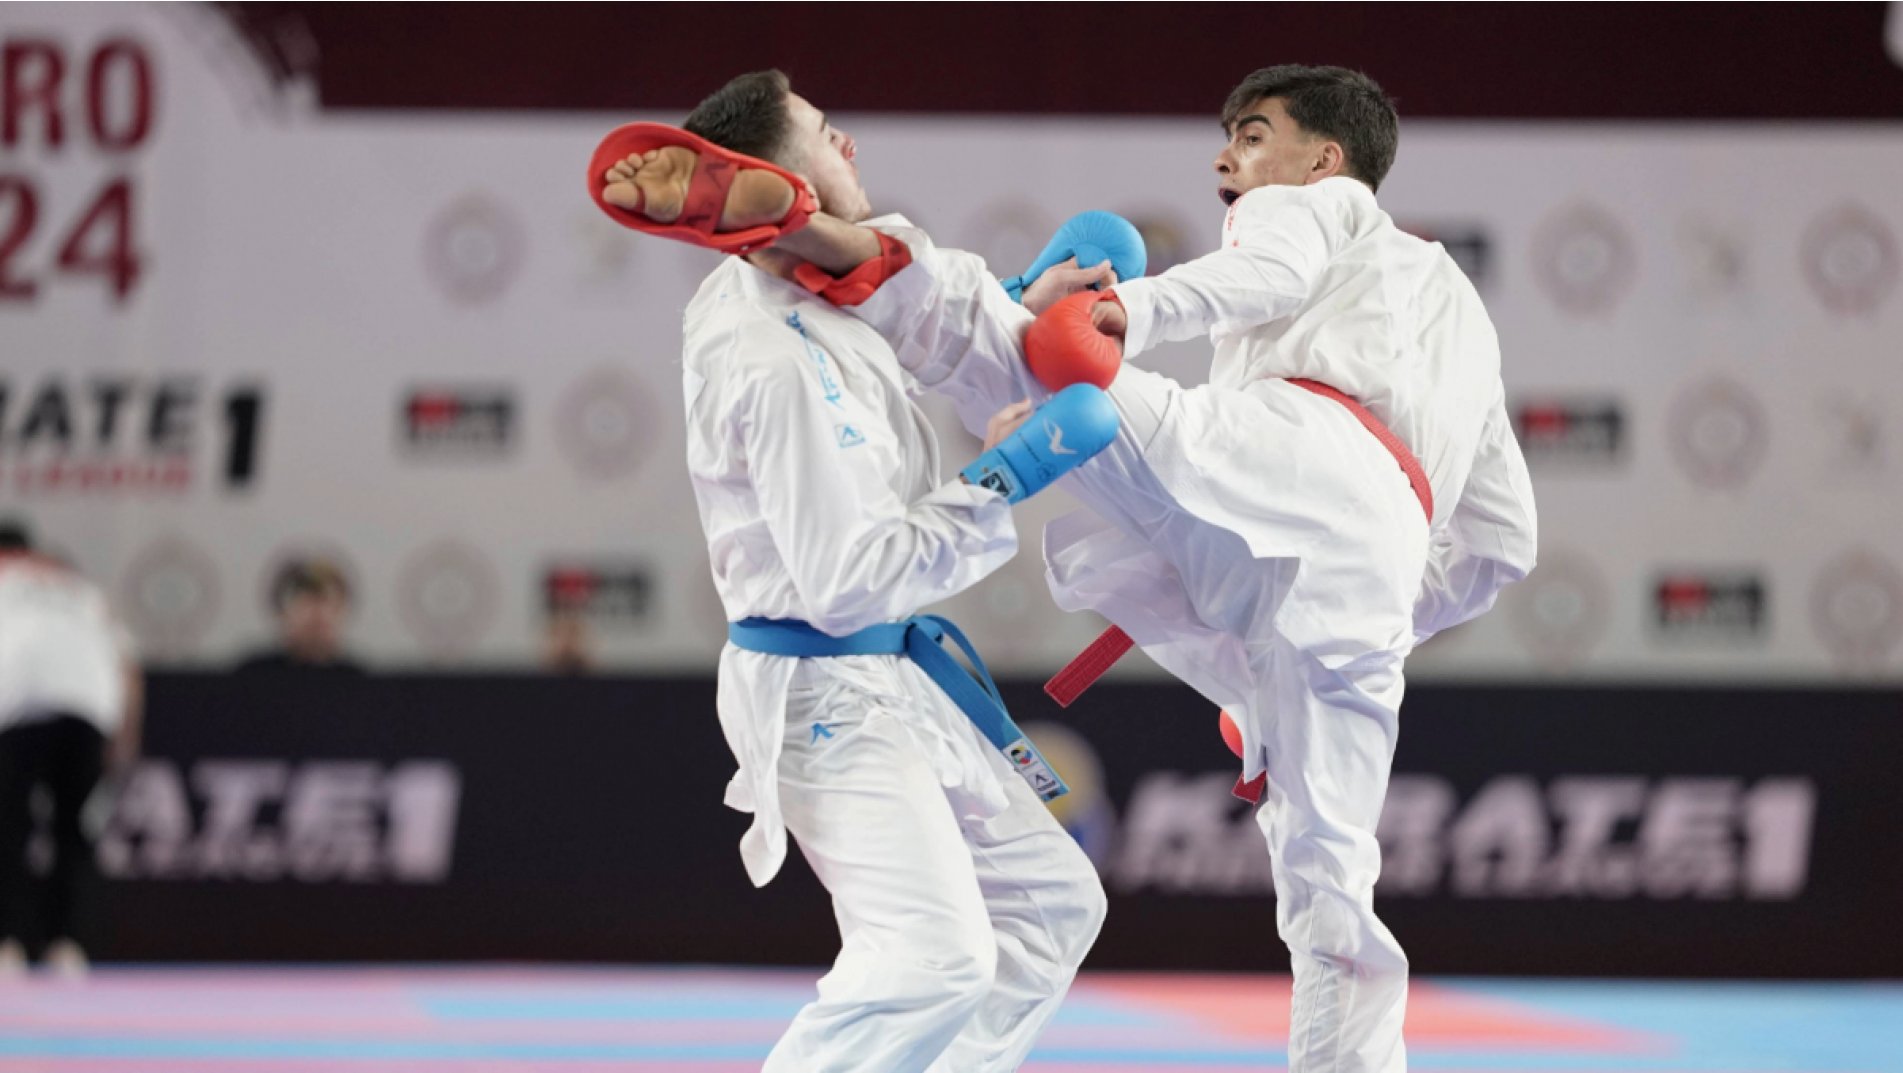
(1080, 673)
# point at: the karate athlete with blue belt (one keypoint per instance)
(964, 909)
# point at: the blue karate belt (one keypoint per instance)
(917, 637)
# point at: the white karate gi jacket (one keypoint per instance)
(1316, 282)
(817, 479)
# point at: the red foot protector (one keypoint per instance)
(1249, 790)
(1231, 733)
(1079, 673)
(1064, 347)
(706, 191)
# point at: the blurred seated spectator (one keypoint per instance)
(565, 644)
(311, 598)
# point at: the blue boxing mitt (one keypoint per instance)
(1092, 237)
(1059, 436)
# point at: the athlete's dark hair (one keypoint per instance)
(307, 577)
(747, 115)
(1334, 102)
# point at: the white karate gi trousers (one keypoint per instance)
(960, 934)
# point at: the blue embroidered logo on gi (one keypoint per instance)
(849, 436)
(829, 387)
(822, 730)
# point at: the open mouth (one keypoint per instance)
(1227, 195)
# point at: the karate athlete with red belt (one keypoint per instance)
(964, 909)
(1346, 485)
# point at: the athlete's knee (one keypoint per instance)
(1337, 929)
(1096, 905)
(1367, 951)
(958, 966)
(1072, 911)
(1089, 908)
(1323, 849)
(975, 974)
(965, 983)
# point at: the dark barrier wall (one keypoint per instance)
(1574, 831)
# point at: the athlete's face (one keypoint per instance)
(824, 154)
(313, 623)
(1268, 148)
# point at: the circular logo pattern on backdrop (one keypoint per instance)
(1857, 609)
(1015, 607)
(1715, 258)
(1583, 259)
(1009, 236)
(169, 595)
(1560, 611)
(474, 249)
(604, 423)
(1850, 259)
(1718, 433)
(446, 595)
(605, 252)
(1165, 240)
(1853, 434)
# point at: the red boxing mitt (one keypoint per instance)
(1064, 347)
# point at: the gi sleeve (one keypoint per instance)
(954, 329)
(857, 554)
(1490, 541)
(1275, 247)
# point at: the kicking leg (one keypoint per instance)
(655, 184)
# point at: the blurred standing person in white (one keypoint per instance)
(70, 693)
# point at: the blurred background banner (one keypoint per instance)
(283, 284)
(1659, 831)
